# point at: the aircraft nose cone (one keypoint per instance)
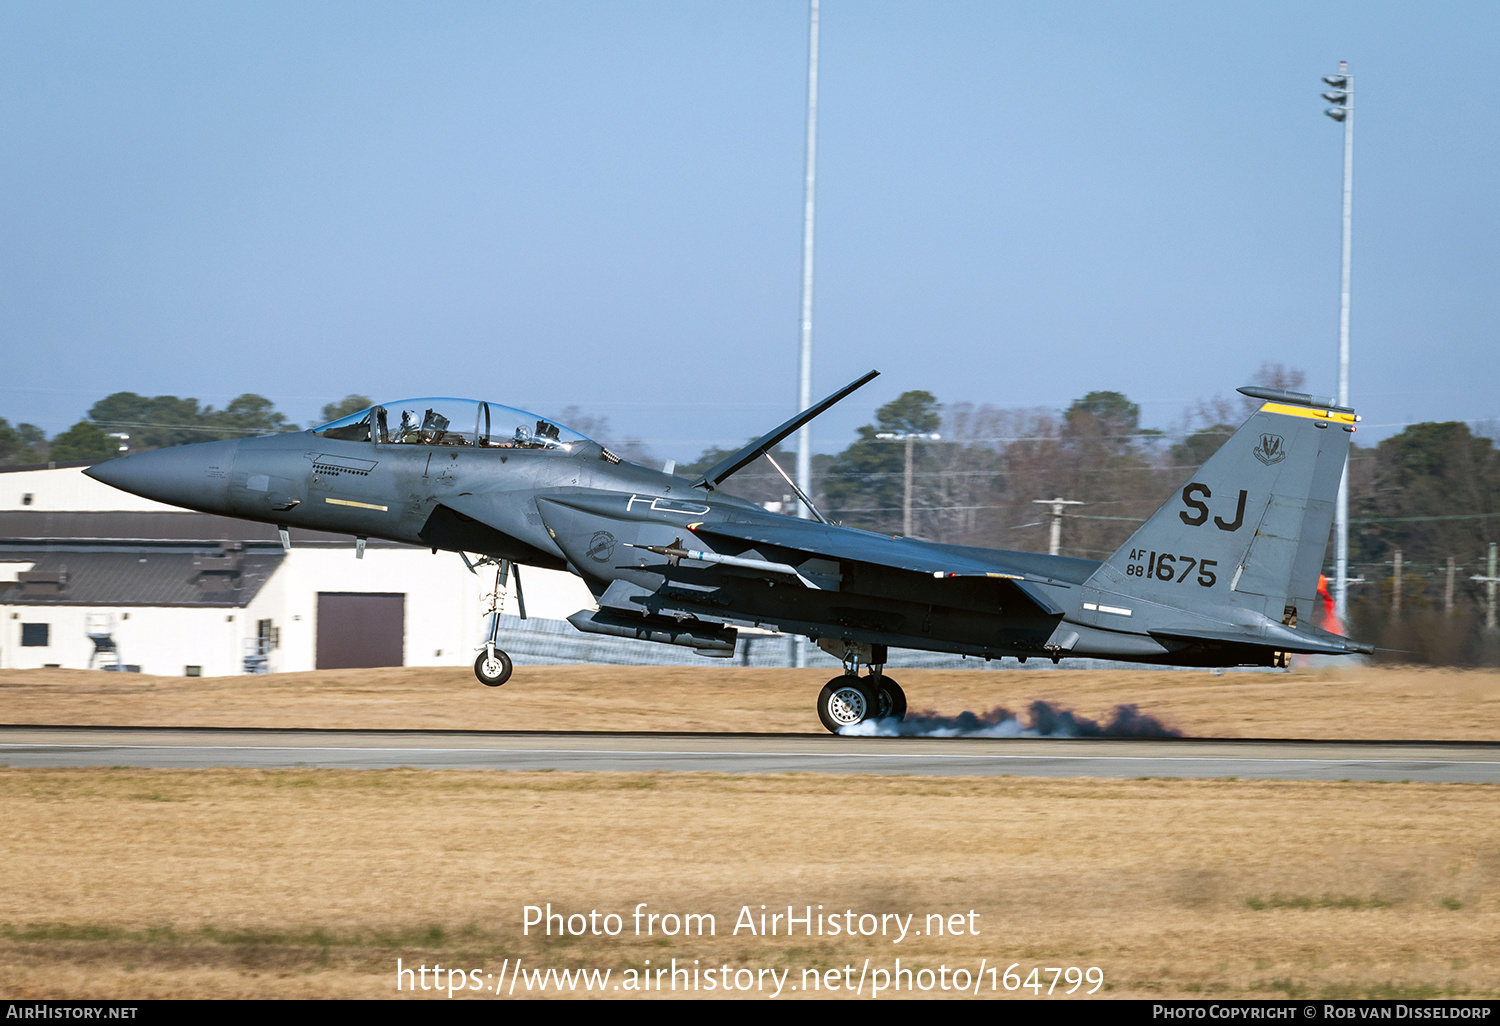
(191, 476)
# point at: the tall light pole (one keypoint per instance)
(1342, 98)
(804, 385)
(909, 437)
(809, 191)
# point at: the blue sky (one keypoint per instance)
(599, 205)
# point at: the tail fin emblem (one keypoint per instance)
(1270, 449)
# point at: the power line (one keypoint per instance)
(1402, 520)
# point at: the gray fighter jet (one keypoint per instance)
(1223, 574)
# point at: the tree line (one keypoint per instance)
(127, 422)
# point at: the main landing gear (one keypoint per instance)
(851, 699)
(492, 666)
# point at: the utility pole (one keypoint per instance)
(909, 437)
(1396, 588)
(906, 492)
(1489, 583)
(1342, 98)
(1054, 547)
(804, 386)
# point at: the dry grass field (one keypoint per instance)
(1352, 702)
(245, 883)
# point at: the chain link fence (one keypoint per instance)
(537, 642)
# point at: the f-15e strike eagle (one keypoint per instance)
(1225, 573)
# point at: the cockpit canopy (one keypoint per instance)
(459, 422)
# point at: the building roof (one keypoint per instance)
(145, 558)
(143, 577)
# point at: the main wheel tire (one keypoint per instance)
(845, 701)
(493, 672)
(890, 700)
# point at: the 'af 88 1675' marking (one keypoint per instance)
(1173, 569)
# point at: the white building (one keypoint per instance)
(91, 576)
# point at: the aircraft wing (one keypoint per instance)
(845, 543)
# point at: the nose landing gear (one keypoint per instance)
(492, 666)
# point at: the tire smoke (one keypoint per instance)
(1047, 720)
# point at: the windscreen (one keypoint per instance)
(452, 422)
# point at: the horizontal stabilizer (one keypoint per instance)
(1282, 639)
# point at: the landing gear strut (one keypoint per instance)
(492, 666)
(851, 699)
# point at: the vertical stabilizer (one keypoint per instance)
(1248, 532)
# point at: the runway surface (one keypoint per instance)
(201, 747)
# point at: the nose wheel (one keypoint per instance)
(493, 668)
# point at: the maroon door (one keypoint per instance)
(357, 628)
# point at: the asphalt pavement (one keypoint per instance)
(202, 747)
